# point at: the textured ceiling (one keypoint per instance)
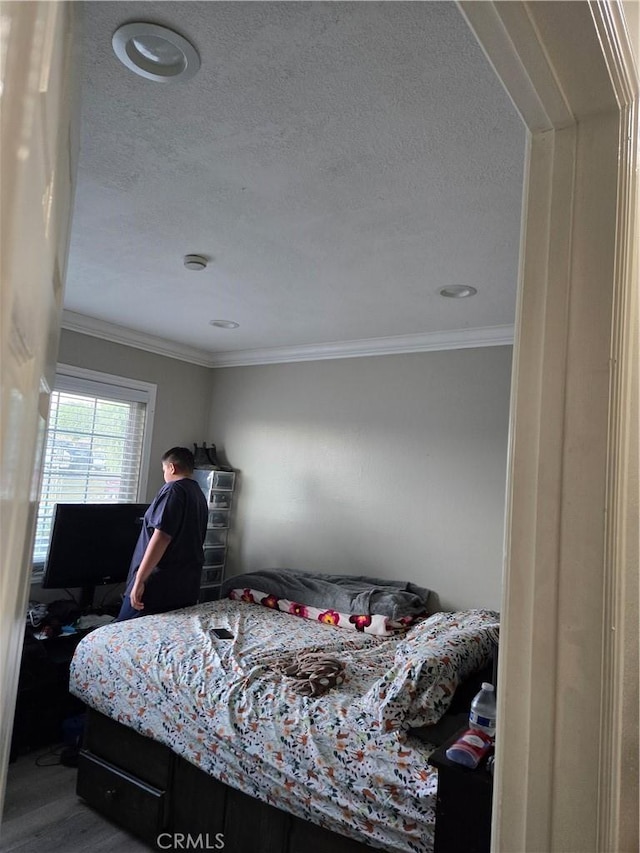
(338, 162)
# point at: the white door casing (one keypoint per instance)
(570, 614)
(39, 144)
(566, 764)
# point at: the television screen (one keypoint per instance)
(91, 544)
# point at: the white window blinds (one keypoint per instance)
(95, 447)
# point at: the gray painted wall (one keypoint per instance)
(393, 466)
(183, 391)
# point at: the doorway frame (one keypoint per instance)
(568, 680)
(566, 765)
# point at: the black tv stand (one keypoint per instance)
(88, 606)
(87, 594)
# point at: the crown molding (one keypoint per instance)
(86, 325)
(489, 336)
(427, 342)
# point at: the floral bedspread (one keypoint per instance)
(225, 706)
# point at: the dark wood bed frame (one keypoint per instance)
(146, 788)
(143, 786)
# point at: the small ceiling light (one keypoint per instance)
(155, 52)
(195, 262)
(224, 324)
(457, 291)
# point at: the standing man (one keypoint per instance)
(166, 567)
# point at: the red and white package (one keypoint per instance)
(470, 748)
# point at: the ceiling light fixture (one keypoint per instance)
(224, 324)
(155, 52)
(457, 291)
(195, 262)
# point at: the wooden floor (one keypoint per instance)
(42, 813)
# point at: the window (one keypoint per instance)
(96, 446)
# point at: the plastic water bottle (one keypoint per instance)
(482, 717)
(477, 741)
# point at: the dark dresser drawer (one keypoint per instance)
(132, 804)
(142, 757)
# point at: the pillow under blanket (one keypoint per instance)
(357, 594)
(366, 623)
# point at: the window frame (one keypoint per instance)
(83, 380)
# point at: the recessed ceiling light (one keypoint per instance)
(155, 52)
(195, 262)
(224, 324)
(457, 291)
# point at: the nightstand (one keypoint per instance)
(463, 805)
(43, 700)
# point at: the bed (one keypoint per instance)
(294, 726)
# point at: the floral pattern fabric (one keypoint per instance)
(372, 623)
(220, 705)
(436, 656)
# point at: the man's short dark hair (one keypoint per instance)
(181, 457)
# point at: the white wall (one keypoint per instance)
(393, 466)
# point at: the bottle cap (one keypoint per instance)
(487, 686)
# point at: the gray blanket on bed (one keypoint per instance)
(345, 593)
